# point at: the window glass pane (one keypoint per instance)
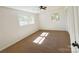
(26, 20)
(55, 16)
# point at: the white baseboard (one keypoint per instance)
(54, 29)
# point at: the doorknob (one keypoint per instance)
(75, 44)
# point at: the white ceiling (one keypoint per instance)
(34, 9)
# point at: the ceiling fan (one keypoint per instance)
(43, 7)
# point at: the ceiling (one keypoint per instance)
(34, 9)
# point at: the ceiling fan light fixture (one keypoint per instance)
(43, 7)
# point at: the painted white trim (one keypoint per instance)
(71, 26)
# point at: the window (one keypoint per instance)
(55, 16)
(26, 20)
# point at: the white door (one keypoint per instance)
(71, 26)
(76, 21)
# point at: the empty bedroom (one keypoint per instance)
(39, 29)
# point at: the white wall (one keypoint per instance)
(48, 24)
(10, 31)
